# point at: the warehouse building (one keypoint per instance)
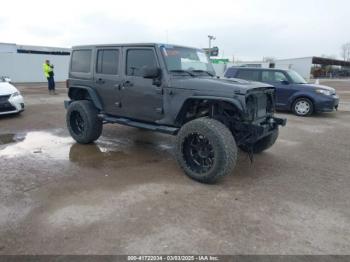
(24, 63)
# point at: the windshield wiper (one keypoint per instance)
(181, 71)
(202, 71)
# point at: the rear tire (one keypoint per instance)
(82, 122)
(303, 107)
(206, 150)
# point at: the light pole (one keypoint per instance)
(211, 37)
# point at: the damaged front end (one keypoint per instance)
(259, 120)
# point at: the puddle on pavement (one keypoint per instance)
(38, 143)
(51, 146)
(10, 138)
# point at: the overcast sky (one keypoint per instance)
(246, 29)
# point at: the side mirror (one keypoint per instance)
(150, 72)
(284, 82)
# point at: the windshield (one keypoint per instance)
(296, 78)
(193, 60)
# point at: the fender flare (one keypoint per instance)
(92, 94)
(235, 102)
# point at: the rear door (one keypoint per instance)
(248, 74)
(142, 98)
(107, 78)
(280, 81)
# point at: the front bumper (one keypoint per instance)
(11, 105)
(327, 103)
(258, 130)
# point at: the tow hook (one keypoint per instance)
(279, 121)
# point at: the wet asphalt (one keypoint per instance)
(125, 194)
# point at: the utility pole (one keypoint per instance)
(211, 37)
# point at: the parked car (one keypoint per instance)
(292, 91)
(173, 90)
(11, 100)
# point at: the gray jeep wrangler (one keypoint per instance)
(173, 90)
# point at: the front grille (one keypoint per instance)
(4, 98)
(261, 104)
(7, 108)
(5, 105)
(258, 105)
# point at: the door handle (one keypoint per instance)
(100, 81)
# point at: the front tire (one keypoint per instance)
(303, 107)
(206, 150)
(83, 122)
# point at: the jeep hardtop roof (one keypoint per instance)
(257, 68)
(130, 45)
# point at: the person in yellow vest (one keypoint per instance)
(48, 72)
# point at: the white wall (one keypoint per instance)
(29, 67)
(300, 65)
(220, 69)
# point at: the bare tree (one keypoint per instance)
(345, 51)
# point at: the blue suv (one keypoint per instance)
(292, 91)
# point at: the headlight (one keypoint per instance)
(324, 92)
(15, 94)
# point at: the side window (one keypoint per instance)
(107, 61)
(273, 76)
(252, 75)
(279, 76)
(81, 60)
(138, 58)
(230, 72)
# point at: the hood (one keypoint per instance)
(314, 87)
(7, 89)
(219, 85)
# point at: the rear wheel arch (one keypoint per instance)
(85, 93)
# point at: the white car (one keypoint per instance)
(11, 100)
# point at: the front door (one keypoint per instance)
(142, 98)
(280, 81)
(108, 78)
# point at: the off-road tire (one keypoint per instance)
(89, 128)
(221, 141)
(303, 100)
(262, 144)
